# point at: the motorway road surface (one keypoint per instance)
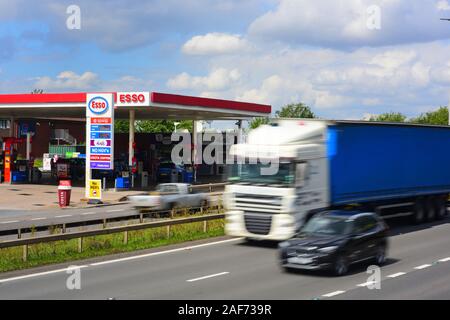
(226, 268)
(24, 219)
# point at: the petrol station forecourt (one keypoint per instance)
(28, 114)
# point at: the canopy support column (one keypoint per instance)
(131, 143)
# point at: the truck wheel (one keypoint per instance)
(441, 208)
(419, 212)
(431, 208)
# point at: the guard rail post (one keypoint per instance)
(25, 253)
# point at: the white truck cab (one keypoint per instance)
(274, 206)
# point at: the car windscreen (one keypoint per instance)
(167, 188)
(167, 165)
(327, 226)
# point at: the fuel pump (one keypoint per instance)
(8, 156)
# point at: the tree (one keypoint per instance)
(295, 110)
(389, 117)
(121, 126)
(438, 117)
(256, 122)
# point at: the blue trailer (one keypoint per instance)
(387, 165)
(379, 161)
(393, 169)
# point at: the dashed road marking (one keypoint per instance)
(115, 210)
(423, 266)
(444, 260)
(209, 276)
(365, 284)
(395, 275)
(87, 213)
(11, 221)
(64, 216)
(41, 218)
(332, 294)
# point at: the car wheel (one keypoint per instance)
(380, 255)
(340, 267)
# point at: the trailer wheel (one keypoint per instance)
(441, 208)
(419, 212)
(431, 207)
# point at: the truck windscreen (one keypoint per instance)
(251, 173)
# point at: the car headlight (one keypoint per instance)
(328, 249)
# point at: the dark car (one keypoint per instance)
(333, 240)
(165, 169)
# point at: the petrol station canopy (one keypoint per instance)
(147, 105)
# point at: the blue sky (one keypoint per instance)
(344, 58)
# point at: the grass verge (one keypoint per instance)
(63, 251)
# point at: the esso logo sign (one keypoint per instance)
(132, 98)
(98, 105)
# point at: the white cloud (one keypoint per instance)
(443, 5)
(218, 79)
(282, 90)
(68, 80)
(335, 83)
(393, 59)
(343, 23)
(214, 43)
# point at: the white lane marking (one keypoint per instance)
(64, 216)
(164, 252)
(41, 218)
(11, 221)
(395, 275)
(209, 276)
(365, 284)
(39, 274)
(115, 210)
(423, 266)
(445, 259)
(87, 213)
(332, 294)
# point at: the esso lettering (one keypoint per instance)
(98, 105)
(132, 98)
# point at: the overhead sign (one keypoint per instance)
(95, 189)
(133, 99)
(100, 131)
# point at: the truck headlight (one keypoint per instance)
(328, 249)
